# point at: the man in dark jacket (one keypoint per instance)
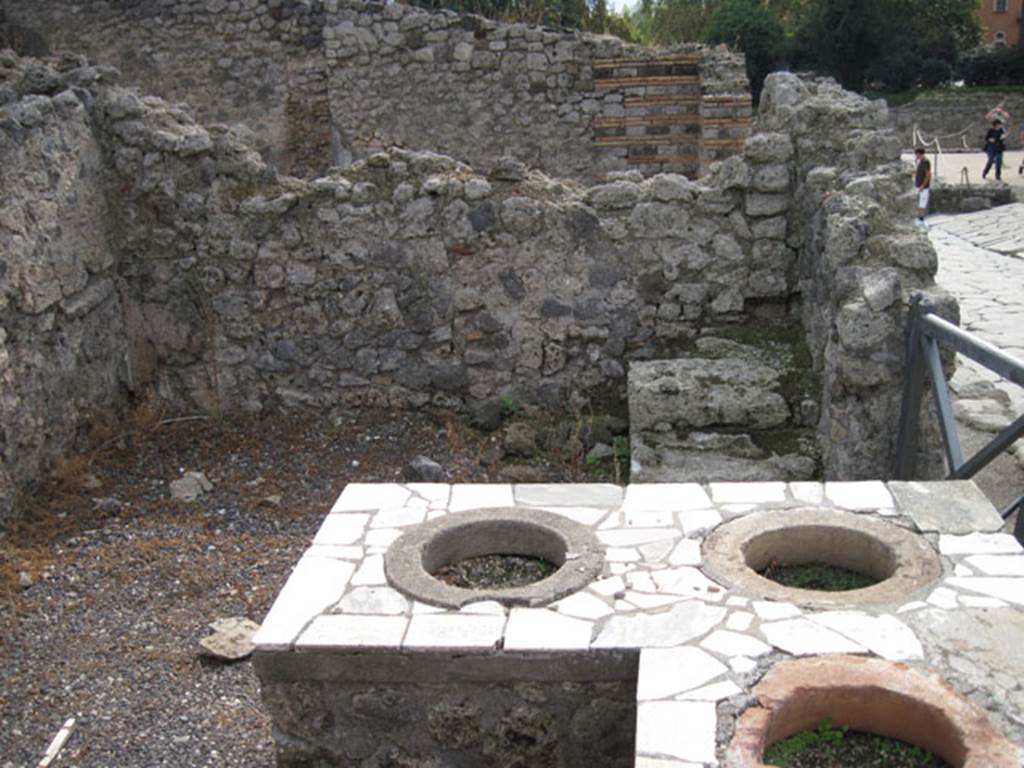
(995, 145)
(922, 183)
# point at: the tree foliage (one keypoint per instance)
(749, 26)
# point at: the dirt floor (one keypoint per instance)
(108, 583)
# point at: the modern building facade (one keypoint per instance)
(1001, 22)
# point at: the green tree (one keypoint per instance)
(750, 27)
(665, 22)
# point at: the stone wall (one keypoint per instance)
(62, 338)
(325, 83)
(411, 279)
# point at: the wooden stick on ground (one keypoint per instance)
(53, 751)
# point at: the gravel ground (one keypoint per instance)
(108, 584)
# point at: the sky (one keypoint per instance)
(620, 5)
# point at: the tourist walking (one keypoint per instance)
(995, 145)
(1020, 137)
(922, 183)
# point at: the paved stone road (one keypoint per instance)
(981, 261)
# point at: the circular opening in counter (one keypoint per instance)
(868, 696)
(857, 560)
(549, 555)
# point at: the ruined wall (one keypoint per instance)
(323, 83)
(411, 278)
(62, 339)
(859, 264)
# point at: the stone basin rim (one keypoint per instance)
(573, 547)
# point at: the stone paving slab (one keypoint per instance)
(700, 642)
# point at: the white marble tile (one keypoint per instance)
(748, 493)
(962, 570)
(382, 537)
(687, 581)
(568, 494)
(976, 601)
(418, 608)
(370, 572)
(642, 581)
(739, 621)
(365, 497)
(538, 629)
(622, 555)
(712, 692)
(484, 607)
(630, 537)
(656, 551)
(997, 565)
(337, 551)
(914, 605)
(454, 631)
(885, 635)
(480, 496)
(315, 584)
(374, 600)
(398, 518)
(647, 601)
(808, 493)
(682, 729)
(667, 496)
(435, 494)
(738, 602)
(979, 544)
(859, 495)
(802, 637)
(1001, 587)
(666, 672)
(943, 597)
(341, 528)
(681, 623)
(609, 586)
(649, 518)
(686, 552)
(768, 610)
(583, 605)
(581, 515)
(696, 521)
(726, 643)
(351, 631)
(741, 665)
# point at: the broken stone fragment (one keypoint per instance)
(231, 639)
(190, 486)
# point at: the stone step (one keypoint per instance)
(727, 411)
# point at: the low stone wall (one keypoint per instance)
(326, 83)
(411, 279)
(957, 119)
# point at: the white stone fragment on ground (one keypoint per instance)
(687, 581)
(768, 610)
(962, 570)
(399, 517)
(976, 601)
(382, 537)
(367, 497)
(646, 601)
(484, 608)
(657, 551)
(942, 597)
(622, 555)
(630, 537)
(726, 643)
(802, 637)
(737, 602)
(538, 629)
(666, 672)
(583, 605)
(190, 486)
(859, 495)
(1002, 587)
(581, 515)
(686, 552)
(979, 544)
(454, 631)
(885, 636)
(997, 565)
(739, 621)
(682, 729)
(649, 518)
(341, 528)
(609, 586)
(231, 639)
(699, 520)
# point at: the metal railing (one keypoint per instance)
(924, 333)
